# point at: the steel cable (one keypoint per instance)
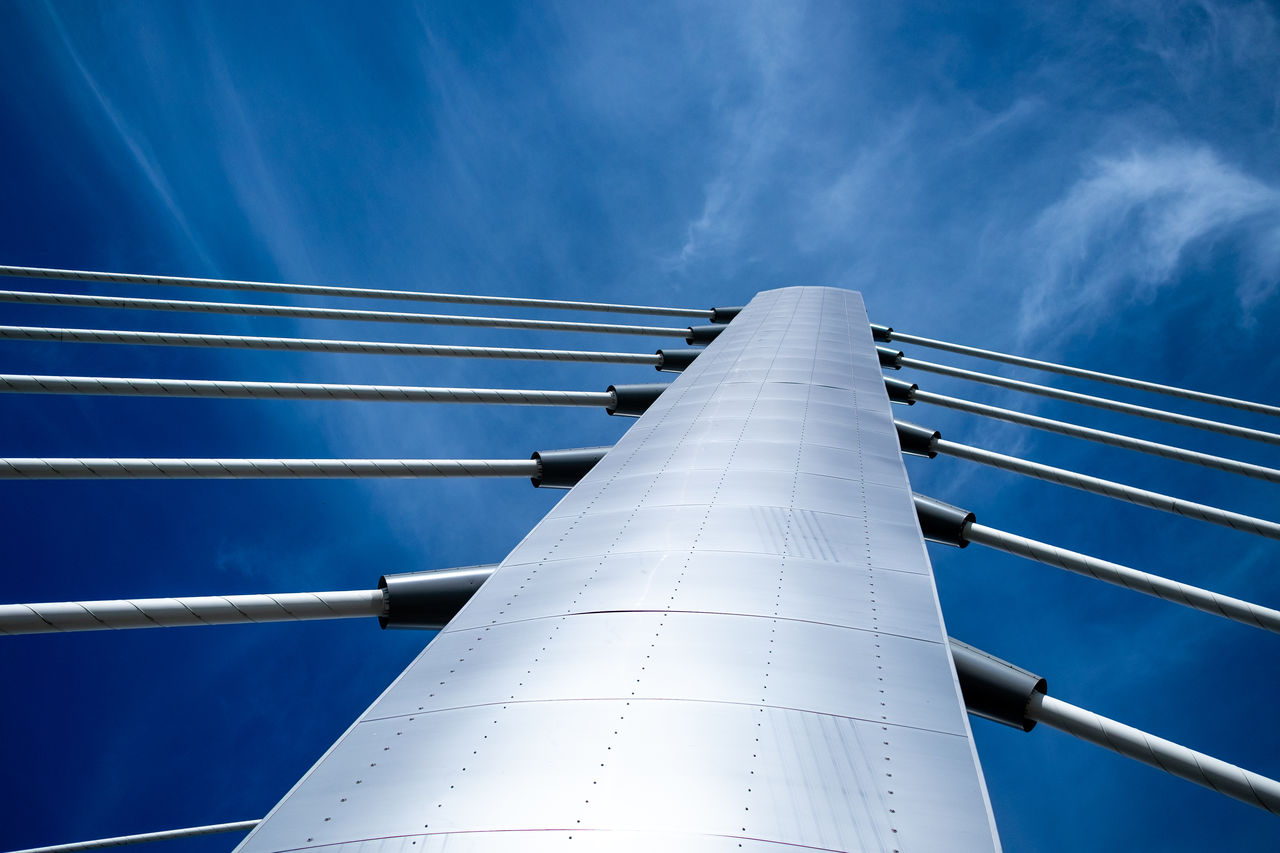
(201, 469)
(1168, 451)
(166, 835)
(1174, 758)
(1111, 489)
(1096, 402)
(1203, 600)
(1098, 376)
(255, 310)
(360, 292)
(225, 389)
(61, 616)
(187, 339)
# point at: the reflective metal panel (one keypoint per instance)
(687, 655)
(717, 582)
(615, 765)
(727, 634)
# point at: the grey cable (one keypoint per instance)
(1112, 379)
(1203, 600)
(114, 615)
(1174, 758)
(1096, 402)
(187, 339)
(360, 292)
(122, 840)
(1168, 451)
(254, 310)
(201, 469)
(222, 389)
(1111, 489)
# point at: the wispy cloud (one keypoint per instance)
(764, 112)
(753, 135)
(1125, 229)
(252, 176)
(1195, 36)
(125, 134)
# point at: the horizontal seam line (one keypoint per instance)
(563, 829)
(788, 708)
(691, 613)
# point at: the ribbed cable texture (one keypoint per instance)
(51, 617)
(186, 339)
(1170, 590)
(360, 292)
(1168, 451)
(1212, 773)
(166, 835)
(254, 310)
(230, 469)
(1096, 402)
(1112, 379)
(1111, 489)
(222, 389)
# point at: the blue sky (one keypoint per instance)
(1092, 183)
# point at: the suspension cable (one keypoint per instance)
(62, 616)
(227, 469)
(1111, 489)
(1212, 773)
(1203, 600)
(1168, 451)
(166, 835)
(361, 292)
(1096, 402)
(223, 389)
(255, 310)
(187, 339)
(423, 600)
(1065, 370)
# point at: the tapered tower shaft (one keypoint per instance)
(725, 637)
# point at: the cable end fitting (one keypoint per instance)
(900, 391)
(562, 469)
(675, 360)
(889, 357)
(994, 689)
(882, 334)
(725, 315)
(703, 335)
(943, 523)
(917, 440)
(428, 600)
(634, 400)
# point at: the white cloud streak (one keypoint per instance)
(762, 130)
(132, 140)
(1126, 228)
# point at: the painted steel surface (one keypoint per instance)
(726, 637)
